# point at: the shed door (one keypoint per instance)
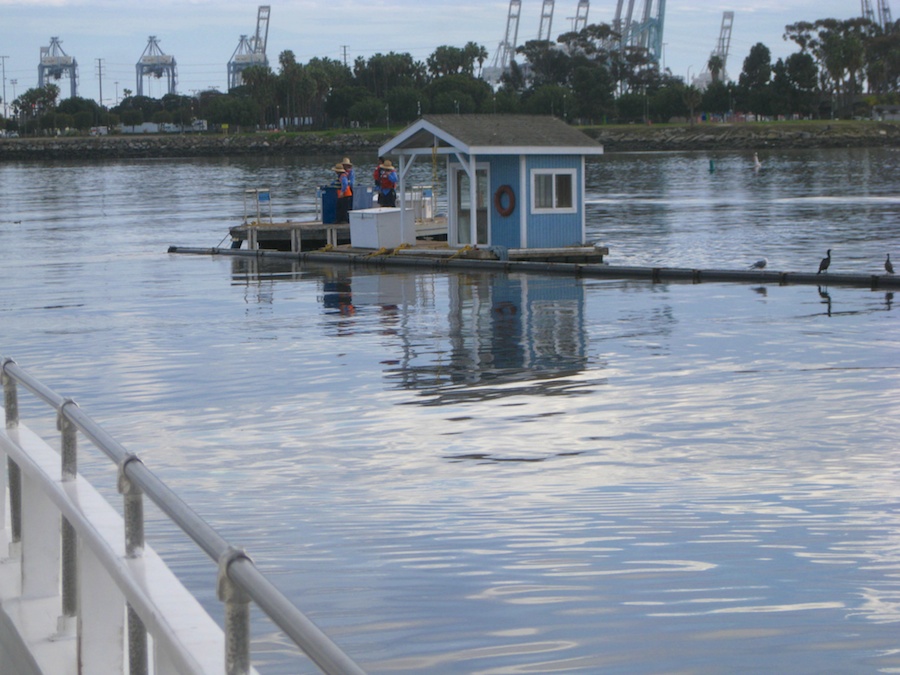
(462, 208)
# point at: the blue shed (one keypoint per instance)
(528, 174)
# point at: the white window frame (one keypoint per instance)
(554, 172)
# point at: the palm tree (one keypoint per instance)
(715, 65)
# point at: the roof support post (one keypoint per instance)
(525, 189)
(473, 200)
(402, 188)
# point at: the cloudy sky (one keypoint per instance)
(107, 37)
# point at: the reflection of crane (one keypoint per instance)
(55, 63)
(545, 31)
(507, 46)
(646, 33)
(250, 52)
(581, 15)
(154, 63)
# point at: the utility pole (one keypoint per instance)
(5, 106)
(100, 76)
(344, 49)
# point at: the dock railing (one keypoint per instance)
(118, 607)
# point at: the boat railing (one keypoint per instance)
(77, 559)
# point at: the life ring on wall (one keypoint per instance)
(505, 191)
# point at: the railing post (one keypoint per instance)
(69, 457)
(237, 616)
(133, 498)
(11, 406)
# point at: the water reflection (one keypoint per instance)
(500, 329)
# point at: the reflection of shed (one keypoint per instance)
(528, 174)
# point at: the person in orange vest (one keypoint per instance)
(386, 182)
(344, 195)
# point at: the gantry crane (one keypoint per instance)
(154, 63)
(507, 47)
(646, 33)
(55, 63)
(546, 29)
(581, 15)
(723, 46)
(883, 17)
(884, 13)
(252, 51)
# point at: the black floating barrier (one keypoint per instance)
(654, 274)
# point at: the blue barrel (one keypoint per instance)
(329, 204)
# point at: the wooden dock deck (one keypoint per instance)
(311, 235)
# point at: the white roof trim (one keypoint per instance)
(391, 147)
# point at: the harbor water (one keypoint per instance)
(499, 474)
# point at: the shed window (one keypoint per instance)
(553, 190)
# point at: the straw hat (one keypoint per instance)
(346, 162)
(338, 167)
(387, 165)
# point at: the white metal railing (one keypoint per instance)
(75, 560)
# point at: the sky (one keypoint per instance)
(107, 37)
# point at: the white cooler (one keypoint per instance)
(381, 228)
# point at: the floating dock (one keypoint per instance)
(433, 258)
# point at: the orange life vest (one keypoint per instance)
(341, 191)
(384, 179)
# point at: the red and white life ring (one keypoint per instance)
(507, 192)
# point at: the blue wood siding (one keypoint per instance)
(554, 230)
(505, 171)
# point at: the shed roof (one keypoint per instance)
(492, 134)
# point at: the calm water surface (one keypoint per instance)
(465, 473)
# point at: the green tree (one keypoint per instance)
(715, 65)
(82, 120)
(368, 110)
(471, 94)
(550, 99)
(692, 99)
(342, 100)
(447, 60)
(717, 98)
(548, 65)
(593, 92)
(753, 84)
(259, 84)
(383, 72)
(405, 104)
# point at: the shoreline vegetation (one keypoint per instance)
(705, 136)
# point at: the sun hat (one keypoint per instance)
(338, 167)
(387, 165)
(346, 160)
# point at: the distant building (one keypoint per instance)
(886, 113)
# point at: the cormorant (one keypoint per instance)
(888, 266)
(826, 261)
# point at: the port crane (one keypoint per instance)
(155, 63)
(250, 51)
(55, 63)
